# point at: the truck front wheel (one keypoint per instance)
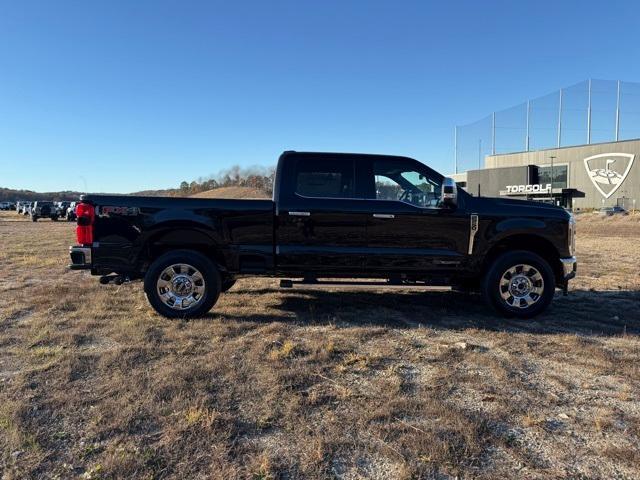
(519, 284)
(182, 284)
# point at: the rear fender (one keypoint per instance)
(180, 234)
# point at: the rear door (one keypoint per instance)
(320, 219)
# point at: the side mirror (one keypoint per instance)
(449, 195)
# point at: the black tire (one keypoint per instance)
(54, 219)
(197, 261)
(227, 284)
(34, 218)
(494, 289)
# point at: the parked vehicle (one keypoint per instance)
(610, 211)
(70, 214)
(332, 216)
(43, 209)
(62, 208)
(5, 205)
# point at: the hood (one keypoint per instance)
(511, 206)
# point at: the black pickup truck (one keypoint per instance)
(335, 218)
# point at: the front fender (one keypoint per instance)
(510, 226)
(510, 229)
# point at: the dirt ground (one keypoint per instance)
(316, 384)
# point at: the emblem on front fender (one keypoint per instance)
(473, 230)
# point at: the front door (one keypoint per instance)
(320, 223)
(408, 231)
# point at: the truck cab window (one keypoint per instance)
(325, 178)
(405, 182)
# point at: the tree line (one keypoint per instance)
(11, 195)
(257, 177)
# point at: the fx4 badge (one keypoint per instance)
(607, 171)
(107, 211)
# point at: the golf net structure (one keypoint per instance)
(592, 111)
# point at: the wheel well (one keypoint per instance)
(531, 243)
(176, 240)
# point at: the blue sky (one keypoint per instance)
(131, 95)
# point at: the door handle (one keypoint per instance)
(383, 215)
(299, 214)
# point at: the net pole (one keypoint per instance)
(618, 111)
(589, 115)
(455, 149)
(526, 140)
(493, 133)
(559, 118)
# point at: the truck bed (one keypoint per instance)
(128, 227)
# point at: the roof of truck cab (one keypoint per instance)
(354, 155)
(351, 156)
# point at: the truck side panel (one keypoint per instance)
(130, 231)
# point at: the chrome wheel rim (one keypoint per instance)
(181, 286)
(521, 286)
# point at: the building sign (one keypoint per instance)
(527, 189)
(607, 171)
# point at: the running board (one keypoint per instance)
(359, 284)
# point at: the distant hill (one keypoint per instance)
(233, 192)
(9, 194)
(168, 192)
(234, 182)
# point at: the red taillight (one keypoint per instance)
(85, 214)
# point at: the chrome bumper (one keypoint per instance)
(569, 266)
(80, 257)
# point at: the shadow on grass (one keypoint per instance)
(581, 312)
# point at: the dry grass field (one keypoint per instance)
(314, 384)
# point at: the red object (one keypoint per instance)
(84, 231)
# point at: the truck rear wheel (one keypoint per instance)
(182, 284)
(519, 284)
